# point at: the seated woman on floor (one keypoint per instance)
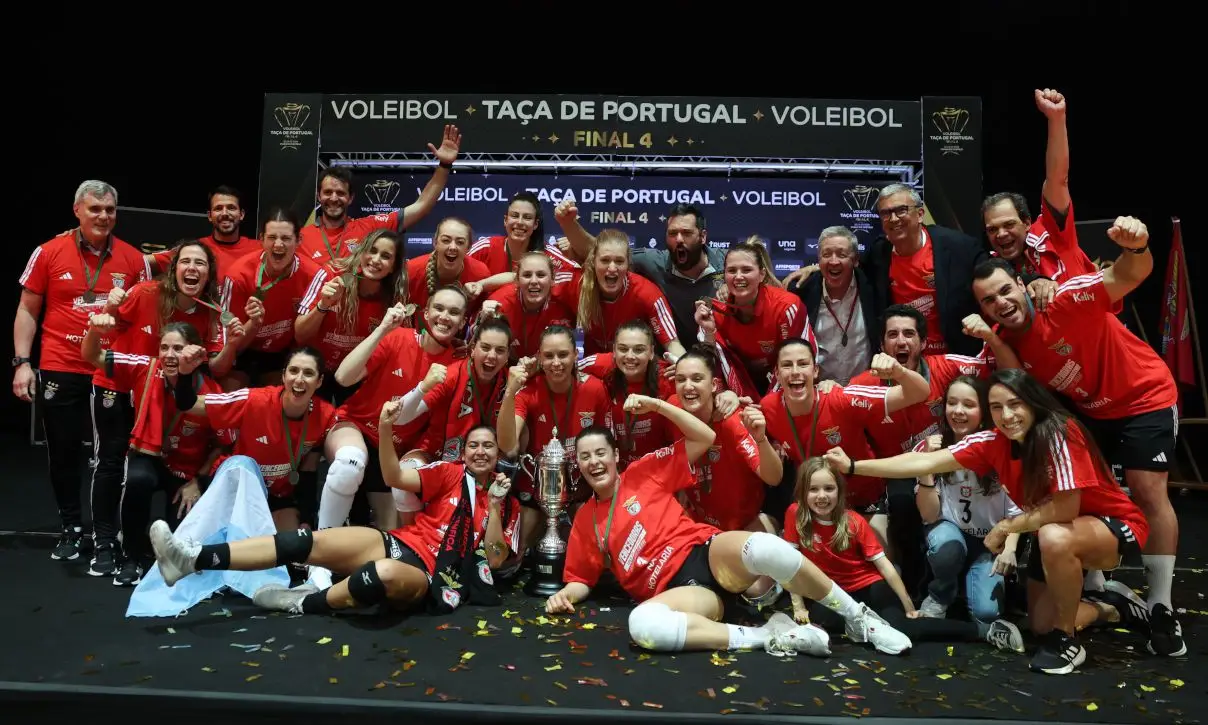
(468, 512)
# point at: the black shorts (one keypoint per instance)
(1126, 546)
(400, 552)
(333, 392)
(1143, 442)
(256, 363)
(695, 571)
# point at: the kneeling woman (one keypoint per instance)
(394, 567)
(679, 570)
(1053, 470)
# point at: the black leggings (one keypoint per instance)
(63, 400)
(881, 599)
(144, 476)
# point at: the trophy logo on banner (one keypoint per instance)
(553, 496)
(291, 121)
(951, 123)
(381, 194)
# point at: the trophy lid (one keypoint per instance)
(554, 449)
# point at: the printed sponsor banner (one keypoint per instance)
(626, 125)
(952, 162)
(289, 153)
(788, 212)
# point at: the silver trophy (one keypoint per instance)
(553, 496)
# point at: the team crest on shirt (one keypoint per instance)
(1061, 347)
(833, 436)
(586, 418)
(966, 492)
(632, 506)
(452, 451)
(714, 454)
(119, 279)
(188, 429)
(767, 346)
(929, 280)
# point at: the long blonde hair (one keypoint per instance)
(757, 247)
(589, 292)
(805, 517)
(393, 287)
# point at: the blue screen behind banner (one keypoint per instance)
(788, 212)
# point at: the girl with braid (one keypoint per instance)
(448, 264)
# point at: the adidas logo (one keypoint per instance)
(147, 329)
(262, 439)
(1160, 458)
(316, 255)
(66, 275)
(398, 372)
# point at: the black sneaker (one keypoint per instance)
(129, 575)
(1134, 613)
(1058, 654)
(104, 560)
(1165, 633)
(68, 547)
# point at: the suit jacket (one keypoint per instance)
(811, 296)
(955, 255)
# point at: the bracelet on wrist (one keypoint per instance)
(851, 467)
(446, 164)
(1142, 250)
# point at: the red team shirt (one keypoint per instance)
(316, 243)
(183, 441)
(417, 279)
(639, 298)
(1078, 347)
(280, 301)
(851, 569)
(778, 315)
(651, 535)
(912, 282)
(493, 252)
(58, 271)
(728, 492)
(526, 326)
(256, 415)
(589, 405)
(1052, 250)
(636, 435)
(394, 368)
(900, 432)
(225, 253)
(1071, 467)
(441, 487)
(844, 415)
(138, 329)
(333, 342)
(458, 404)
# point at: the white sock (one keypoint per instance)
(747, 637)
(334, 508)
(1094, 581)
(1159, 570)
(841, 602)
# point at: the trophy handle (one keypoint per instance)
(531, 468)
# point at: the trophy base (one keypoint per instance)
(546, 579)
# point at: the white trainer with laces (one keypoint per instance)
(282, 598)
(807, 639)
(175, 556)
(868, 626)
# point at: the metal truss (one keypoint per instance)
(908, 171)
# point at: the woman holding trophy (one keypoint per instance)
(679, 570)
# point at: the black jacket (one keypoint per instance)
(811, 296)
(955, 255)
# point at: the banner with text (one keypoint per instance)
(625, 125)
(952, 162)
(289, 153)
(789, 213)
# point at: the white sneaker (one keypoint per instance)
(932, 609)
(282, 598)
(807, 639)
(779, 623)
(175, 556)
(868, 626)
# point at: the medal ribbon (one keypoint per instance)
(295, 458)
(806, 451)
(851, 312)
(570, 403)
(484, 414)
(603, 542)
(261, 289)
(90, 279)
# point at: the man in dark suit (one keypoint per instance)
(926, 266)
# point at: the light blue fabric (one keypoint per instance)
(234, 507)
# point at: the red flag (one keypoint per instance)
(1176, 327)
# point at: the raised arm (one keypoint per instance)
(90, 349)
(911, 387)
(1056, 190)
(446, 155)
(698, 435)
(394, 475)
(352, 367)
(1135, 264)
(567, 216)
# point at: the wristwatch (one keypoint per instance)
(19, 361)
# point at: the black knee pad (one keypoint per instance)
(366, 586)
(293, 547)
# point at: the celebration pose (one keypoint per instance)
(524, 233)
(528, 305)
(679, 571)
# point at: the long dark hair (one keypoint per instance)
(1050, 421)
(988, 484)
(617, 384)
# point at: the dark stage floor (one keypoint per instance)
(68, 641)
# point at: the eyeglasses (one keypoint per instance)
(895, 213)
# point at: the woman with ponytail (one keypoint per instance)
(448, 264)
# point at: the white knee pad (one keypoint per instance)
(347, 471)
(405, 501)
(656, 627)
(771, 556)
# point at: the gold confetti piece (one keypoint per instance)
(879, 681)
(482, 624)
(818, 701)
(551, 702)
(1092, 707)
(253, 678)
(1120, 630)
(344, 651)
(819, 678)
(517, 630)
(729, 690)
(654, 705)
(1175, 684)
(542, 620)
(945, 676)
(833, 686)
(850, 681)
(1147, 688)
(325, 640)
(208, 669)
(507, 613)
(560, 686)
(591, 625)
(252, 664)
(553, 668)
(333, 681)
(467, 656)
(711, 693)
(171, 631)
(950, 650)
(624, 703)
